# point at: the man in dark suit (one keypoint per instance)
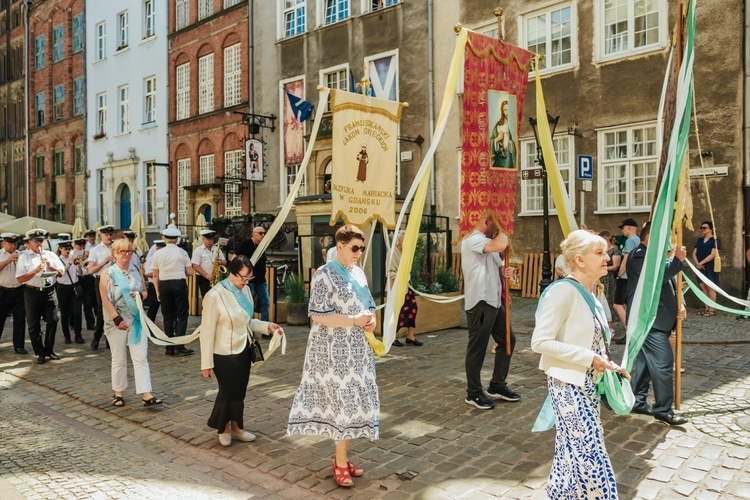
(655, 360)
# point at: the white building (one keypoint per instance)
(126, 63)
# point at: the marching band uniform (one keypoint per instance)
(70, 303)
(39, 293)
(151, 302)
(100, 258)
(86, 281)
(203, 260)
(11, 292)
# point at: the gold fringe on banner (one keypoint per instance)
(502, 60)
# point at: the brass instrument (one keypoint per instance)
(219, 271)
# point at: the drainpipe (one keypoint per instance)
(251, 24)
(431, 97)
(746, 147)
(27, 181)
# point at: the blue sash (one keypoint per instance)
(362, 292)
(240, 297)
(118, 276)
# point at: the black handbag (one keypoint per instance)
(77, 288)
(256, 351)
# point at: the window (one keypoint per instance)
(41, 211)
(206, 84)
(207, 172)
(149, 18)
(335, 11)
(58, 41)
(293, 17)
(532, 195)
(232, 76)
(550, 34)
(58, 162)
(627, 168)
(182, 14)
(150, 194)
(291, 177)
(123, 94)
(39, 164)
(122, 30)
(78, 33)
(233, 164)
(229, 3)
(183, 179)
(58, 102)
(183, 91)
(60, 212)
(205, 8)
(39, 104)
(101, 114)
(381, 4)
(79, 98)
(78, 160)
(335, 78)
(149, 100)
(39, 52)
(630, 26)
(101, 41)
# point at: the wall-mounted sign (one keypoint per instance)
(254, 159)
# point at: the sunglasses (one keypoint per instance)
(261, 232)
(358, 248)
(38, 240)
(704, 227)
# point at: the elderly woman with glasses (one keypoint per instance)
(338, 396)
(704, 256)
(227, 332)
(118, 287)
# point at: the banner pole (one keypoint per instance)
(678, 292)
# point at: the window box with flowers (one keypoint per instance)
(100, 135)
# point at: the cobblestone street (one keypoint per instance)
(61, 438)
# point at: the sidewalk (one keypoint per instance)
(451, 449)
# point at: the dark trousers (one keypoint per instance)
(99, 331)
(485, 321)
(89, 300)
(11, 302)
(204, 285)
(70, 309)
(151, 302)
(174, 307)
(41, 304)
(654, 364)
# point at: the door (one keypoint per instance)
(125, 219)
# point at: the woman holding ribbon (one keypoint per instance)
(338, 396)
(228, 330)
(118, 287)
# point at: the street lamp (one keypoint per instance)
(546, 260)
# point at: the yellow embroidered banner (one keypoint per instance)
(363, 173)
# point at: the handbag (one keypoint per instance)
(77, 288)
(256, 352)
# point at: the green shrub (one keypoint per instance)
(294, 289)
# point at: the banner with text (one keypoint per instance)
(495, 78)
(363, 173)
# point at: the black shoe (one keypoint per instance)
(504, 393)
(90, 327)
(414, 342)
(80, 340)
(68, 341)
(41, 359)
(480, 401)
(397, 343)
(95, 344)
(169, 351)
(183, 352)
(741, 317)
(671, 419)
(21, 350)
(267, 335)
(52, 355)
(643, 410)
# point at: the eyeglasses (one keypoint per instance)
(38, 240)
(358, 248)
(704, 227)
(246, 278)
(125, 252)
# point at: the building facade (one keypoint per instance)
(57, 106)
(126, 99)
(208, 80)
(14, 178)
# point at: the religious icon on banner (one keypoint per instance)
(502, 141)
(362, 161)
(254, 159)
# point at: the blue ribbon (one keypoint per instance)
(363, 293)
(241, 298)
(118, 276)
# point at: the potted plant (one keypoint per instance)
(296, 298)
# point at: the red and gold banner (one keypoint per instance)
(495, 78)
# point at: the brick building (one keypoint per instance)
(208, 81)
(56, 109)
(13, 166)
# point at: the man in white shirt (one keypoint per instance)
(100, 257)
(39, 269)
(69, 294)
(11, 292)
(86, 281)
(485, 313)
(151, 303)
(90, 236)
(203, 260)
(170, 267)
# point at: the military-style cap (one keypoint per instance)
(89, 232)
(208, 233)
(10, 237)
(128, 233)
(63, 236)
(108, 229)
(80, 241)
(36, 233)
(65, 244)
(170, 232)
(159, 243)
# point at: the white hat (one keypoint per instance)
(108, 229)
(208, 233)
(65, 243)
(159, 243)
(36, 233)
(63, 236)
(11, 237)
(171, 232)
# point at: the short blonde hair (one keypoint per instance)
(578, 243)
(121, 244)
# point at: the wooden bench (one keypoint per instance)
(532, 273)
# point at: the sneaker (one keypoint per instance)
(504, 393)
(741, 317)
(480, 401)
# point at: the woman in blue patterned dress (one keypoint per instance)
(338, 396)
(570, 339)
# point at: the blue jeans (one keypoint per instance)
(264, 301)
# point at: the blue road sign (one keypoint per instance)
(585, 167)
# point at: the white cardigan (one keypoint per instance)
(224, 325)
(563, 334)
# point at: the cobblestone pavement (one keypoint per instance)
(450, 449)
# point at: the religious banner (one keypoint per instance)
(495, 78)
(294, 130)
(363, 173)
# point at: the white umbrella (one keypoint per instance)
(20, 226)
(200, 225)
(79, 227)
(140, 232)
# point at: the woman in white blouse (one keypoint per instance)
(226, 328)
